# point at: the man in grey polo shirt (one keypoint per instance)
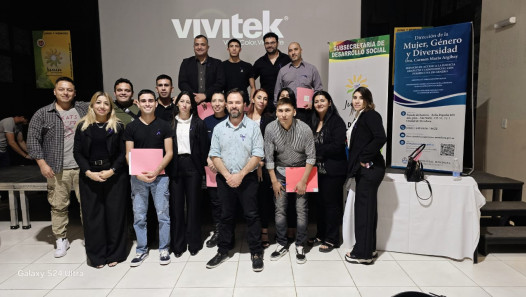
(297, 73)
(236, 150)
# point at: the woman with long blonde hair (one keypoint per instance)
(99, 152)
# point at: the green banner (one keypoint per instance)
(359, 48)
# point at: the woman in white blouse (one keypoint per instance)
(186, 170)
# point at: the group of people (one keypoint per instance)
(249, 141)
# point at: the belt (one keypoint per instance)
(184, 156)
(99, 162)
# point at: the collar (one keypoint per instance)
(197, 60)
(292, 127)
(301, 64)
(183, 121)
(242, 124)
(51, 107)
(159, 103)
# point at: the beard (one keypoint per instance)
(235, 113)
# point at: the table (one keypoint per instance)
(17, 180)
(448, 224)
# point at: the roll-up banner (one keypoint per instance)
(431, 74)
(53, 57)
(359, 62)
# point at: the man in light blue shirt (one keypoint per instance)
(236, 150)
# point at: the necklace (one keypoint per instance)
(99, 125)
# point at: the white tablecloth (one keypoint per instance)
(447, 225)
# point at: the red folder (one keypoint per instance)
(304, 96)
(142, 160)
(202, 112)
(293, 176)
(210, 178)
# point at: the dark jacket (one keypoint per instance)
(332, 151)
(266, 119)
(214, 78)
(199, 146)
(367, 138)
(114, 144)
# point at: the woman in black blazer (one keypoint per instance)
(329, 137)
(186, 175)
(259, 111)
(99, 152)
(366, 165)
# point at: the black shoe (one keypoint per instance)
(139, 258)
(257, 262)
(217, 260)
(178, 255)
(193, 253)
(351, 258)
(212, 242)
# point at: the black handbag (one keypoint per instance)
(414, 172)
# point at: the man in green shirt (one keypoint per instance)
(126, 110)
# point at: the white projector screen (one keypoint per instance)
(142, 39)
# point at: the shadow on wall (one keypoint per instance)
(481, 135)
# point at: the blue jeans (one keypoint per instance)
(161, 195)
(302, 211)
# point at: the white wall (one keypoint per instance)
(501, 94)
(139, 40)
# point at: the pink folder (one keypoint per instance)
(293, 176)
(203, 113)
(304, 96)
(210, 178)
(142, 160)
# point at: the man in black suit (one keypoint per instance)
(201, 74)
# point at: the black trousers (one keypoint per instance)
(104, 218)
(185, 189)
(246, 194)
(215, 205)
(329, 208)
(365, 210)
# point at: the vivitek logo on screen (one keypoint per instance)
(234, 27)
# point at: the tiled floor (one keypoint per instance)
(28, 268)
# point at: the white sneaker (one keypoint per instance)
(62, 247)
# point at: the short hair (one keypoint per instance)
(286, 100)
(235, 90)
(367, 97)
(201, 36)
(270, 35)
(145, 91)
(65, 78)
(233, 40)
(120, 81)
(163, 76)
